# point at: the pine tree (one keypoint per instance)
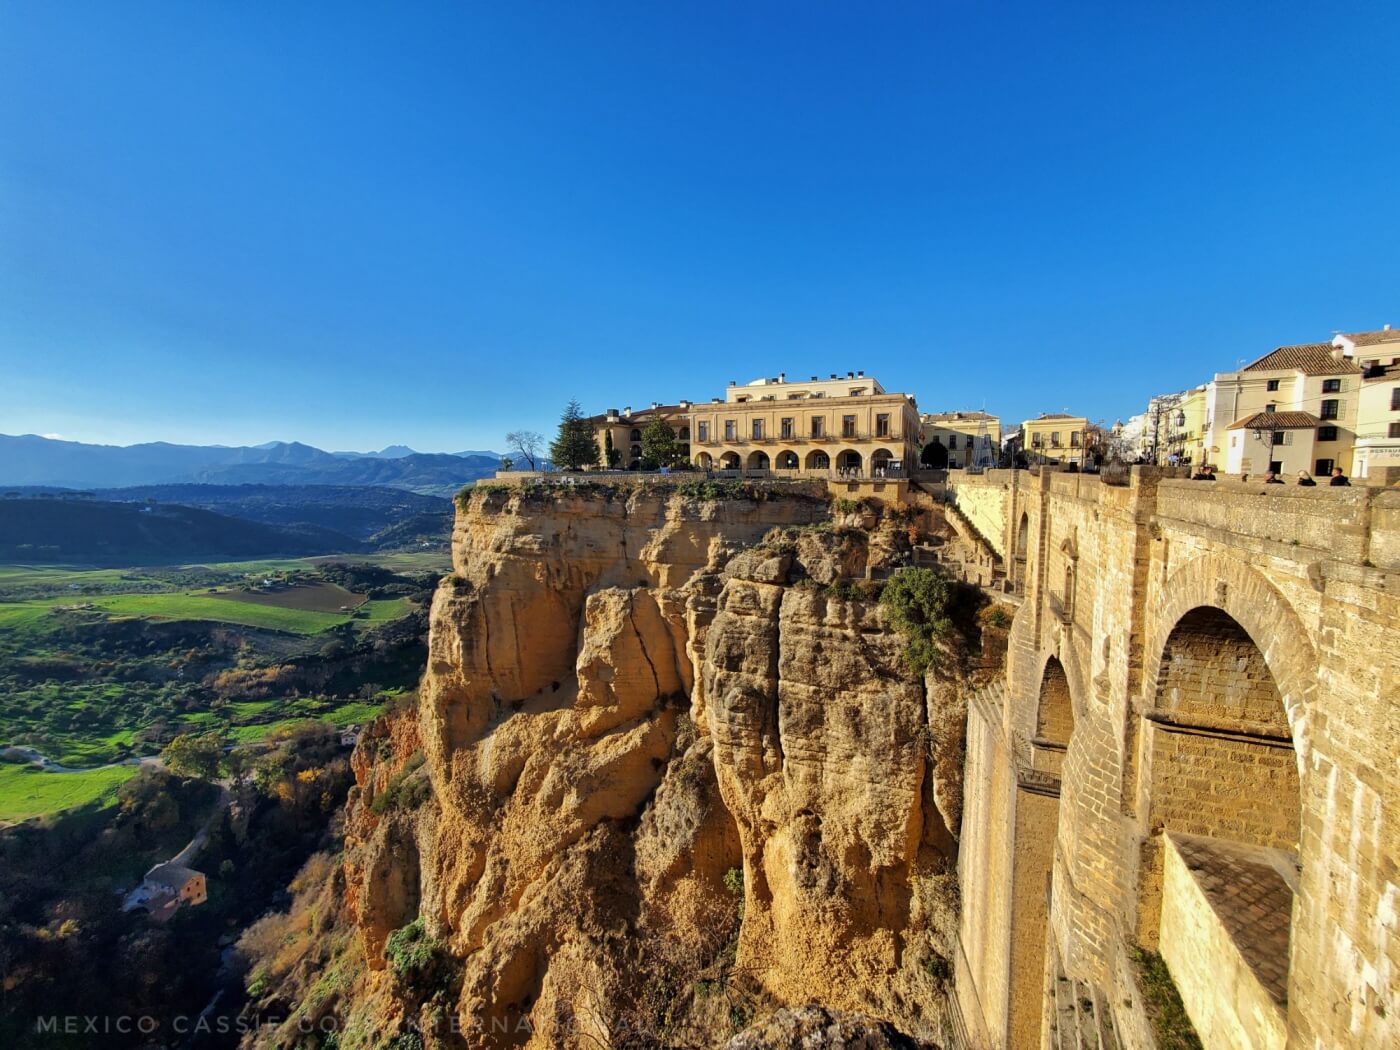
(659, 445)
(574, 448)
(611, 456)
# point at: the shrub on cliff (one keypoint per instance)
(415, 959)
(917, 602)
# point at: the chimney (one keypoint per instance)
(627, 411)
(732, 383)
(655, 405)
(1385, 327)
(835, 376)
(861, 374)
(685, 404)
(782, 376)
(813, 379)
(850, 375)
(612, 413)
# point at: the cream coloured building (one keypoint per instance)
(1376, 454)
(1293, 409)
(843, 424)
(970, 438)
(622, 431)
(1182, 429)
(1055, 437)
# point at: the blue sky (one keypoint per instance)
(431, 223)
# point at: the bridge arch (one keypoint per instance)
(1054, 715)
(1247, 597)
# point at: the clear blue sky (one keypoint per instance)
(429, 223)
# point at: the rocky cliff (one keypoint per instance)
(680, 775)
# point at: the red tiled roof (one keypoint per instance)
(1313, 359)
(1384, 335)
(1277, 421)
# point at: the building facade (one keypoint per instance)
(1054, 438)
(622, 432)
(1376, 453)
(971, 439)
(1313, 390)
(846, 424)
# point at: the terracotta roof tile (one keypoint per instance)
(1314, 359)
(1384, 335)
(1277, 421)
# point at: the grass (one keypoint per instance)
(26, 791)
(212, 607)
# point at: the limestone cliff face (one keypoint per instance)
(678, 777)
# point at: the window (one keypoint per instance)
(758, 430)
(1271, 407)
(1037, 440)
(729, 430)
(636, 434)
(1395, 399)
(1331, 386)
(1323, 467)
(848, 426)
(1074, 439)
(704, 429)
(1278, 437)
(1394, 430)
(742, 399)
(1330, 408)
(818, 426)
(1327, 433)
(1272, 384)
(787, 427)
(882, 425)
(952, 441)
(1275, 466)
(1055, 439)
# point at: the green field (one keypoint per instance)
(26, 791)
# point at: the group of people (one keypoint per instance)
(1206, 472)
(1337, 480)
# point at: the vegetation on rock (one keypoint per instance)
(918, 603)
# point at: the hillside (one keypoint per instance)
(33, 460)
(74, 531)
(360, 511)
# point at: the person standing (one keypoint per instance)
(1339, 479)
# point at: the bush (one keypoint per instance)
(416, 959)
(407, 789)
(1170, 1023)
(917, 602)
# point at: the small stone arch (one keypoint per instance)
(881, 459)
(1020, 558)
(850, 460)
(684, 434)
(636, 434)
(817, 459)
(758, 460)
(934, 455)
(1054, 717)
(729, 461)
(704, 461)
(787, 460)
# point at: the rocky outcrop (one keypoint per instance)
(680, 775)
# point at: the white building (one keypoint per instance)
(1376, 455)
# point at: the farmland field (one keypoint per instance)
(26, 791)
(310, 597)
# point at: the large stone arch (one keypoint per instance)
(1246, 596)
(787, 459)
(758, 460)
(818, 459)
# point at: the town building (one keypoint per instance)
(1055, 437)
(968, 439)
(622, 432)
(1376, 453)
(847, 424)
(1181, 427)
(1291, 410)
(165, 889)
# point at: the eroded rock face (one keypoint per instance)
(663, 753)
(816, 1028)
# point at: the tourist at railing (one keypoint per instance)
(1338, 478)
(1306, 480)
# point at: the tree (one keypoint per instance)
(574, 448)
(611, 456)
(527, 443)
(659, 445)
(194, 755)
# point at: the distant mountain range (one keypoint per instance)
(33, 460)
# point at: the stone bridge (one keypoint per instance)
(1194, 757)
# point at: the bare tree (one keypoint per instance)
(528, 444)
